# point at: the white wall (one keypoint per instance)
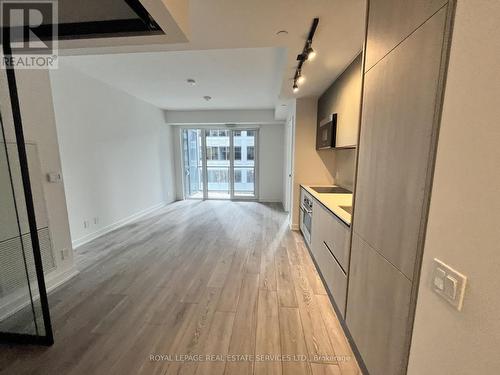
(179, 168)
(39, 127)
(221, 116)
(463, 228)
(116, 153)
(271, 162)
(288, 159)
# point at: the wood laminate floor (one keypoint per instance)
(213, 287)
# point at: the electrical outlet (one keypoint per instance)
(449, 284)
(54, 177)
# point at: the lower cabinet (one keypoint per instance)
(377, 309)
(335, 234)
(324, 239)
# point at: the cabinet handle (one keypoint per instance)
(334, 257)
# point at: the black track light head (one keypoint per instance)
(302, 57)
(311, 54)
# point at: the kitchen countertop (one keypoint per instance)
(333, 201)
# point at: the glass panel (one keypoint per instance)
(21, 313)
(244, 163)
(221, 174)
(193, 156)
(20, 310)
(218, 163)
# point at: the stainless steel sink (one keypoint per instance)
(347, 209)
(330, 190)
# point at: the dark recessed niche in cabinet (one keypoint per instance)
(326, 133)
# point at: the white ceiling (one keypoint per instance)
(235, 78)
(235, 55)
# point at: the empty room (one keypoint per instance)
(249, 187)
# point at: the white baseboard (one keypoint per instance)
(17, 301)
(264, 200)
(108, 228)
(56, 279)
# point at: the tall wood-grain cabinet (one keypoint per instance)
(406, 54)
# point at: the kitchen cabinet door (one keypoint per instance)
(397, 134)
(391, 21)
(377, 310)
(343, 97)
(334, 275)
(316, 231)
(335, 234)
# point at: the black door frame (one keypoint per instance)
(48, 338)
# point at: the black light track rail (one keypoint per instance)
(304, 55)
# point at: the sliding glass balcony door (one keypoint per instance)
(193, 163)
(244, 166)
(220, 163)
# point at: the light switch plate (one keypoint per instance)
(439, 278)
(449, 284)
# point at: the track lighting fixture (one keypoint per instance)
(308, 53)
(300, 78)
(311, 54)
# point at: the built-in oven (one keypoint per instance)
(306, 210)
